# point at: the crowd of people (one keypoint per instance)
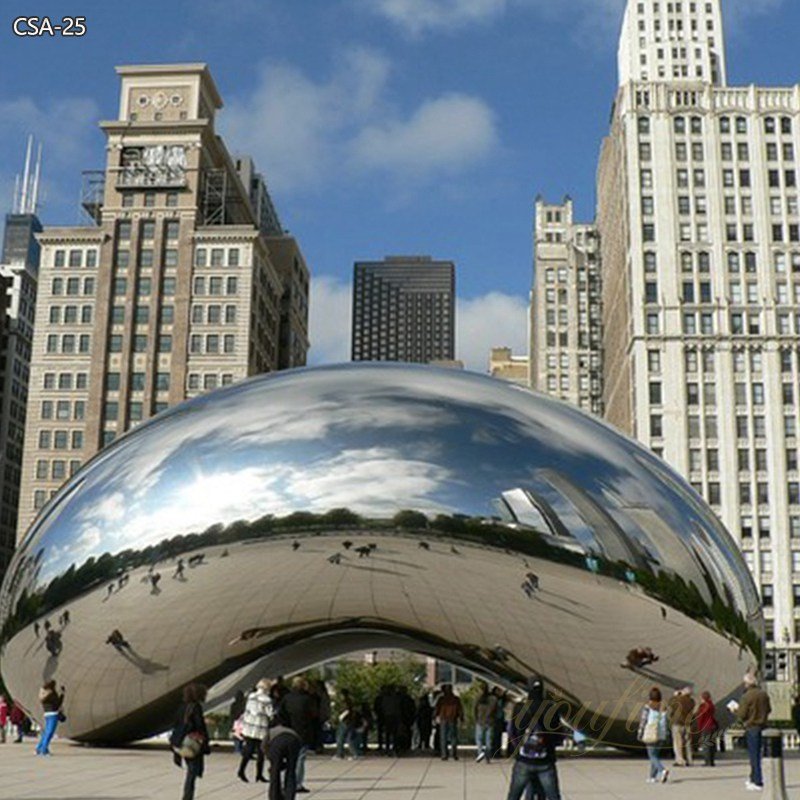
(280, 724)
(691, 726)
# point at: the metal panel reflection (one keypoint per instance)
(295, 517)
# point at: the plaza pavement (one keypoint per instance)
(147, 773)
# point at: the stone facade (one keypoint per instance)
(169, 292)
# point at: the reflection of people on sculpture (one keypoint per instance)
(154, 580)
(639, 657)
(179, 570)
(117, 640)
(36, 629)
(364, 552)
(336, 558)
(51, 701)
(52, 641)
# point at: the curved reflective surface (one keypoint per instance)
(299, 516)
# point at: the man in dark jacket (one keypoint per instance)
(535, 727)
(298, 711)
(282, 747)
(753, 711)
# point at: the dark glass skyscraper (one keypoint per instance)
(404, 310)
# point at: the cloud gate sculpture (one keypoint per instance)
(300, 516)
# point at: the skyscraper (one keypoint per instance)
(566, 312)
(404, 310)
(172, 288)
(19, 264)
(700, 232)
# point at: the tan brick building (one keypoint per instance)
(182, 282)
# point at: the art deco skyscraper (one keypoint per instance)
(700, 232)
(175, 287)
(404, 310)
(566, 312)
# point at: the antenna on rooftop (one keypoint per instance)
(26, 190)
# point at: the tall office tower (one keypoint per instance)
(172, 289)
(679, 42)
(404, 309)
(19, 264)
(566, 312)
(700, 235)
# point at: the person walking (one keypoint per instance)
(485, 713)
(753, 711)
(297, 711)
(652, 733)
(499, 723)
(537, 730)
(189, 739)
(347, 717)
(706, 726)
(282, 746)
(424, 721)
(51, 701)
(258, 713)
(679, 712)
(3, 718)
(448, 712)
(18, 719)
(796, 713)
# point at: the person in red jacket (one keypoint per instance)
(706, 727)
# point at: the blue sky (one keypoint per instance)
(383, 126)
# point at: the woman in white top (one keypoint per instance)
(653, 728)
(258, 714)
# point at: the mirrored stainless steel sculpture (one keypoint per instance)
(296, 517)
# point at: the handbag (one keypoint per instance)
(62, 717)
(652, 728)
(191, 746)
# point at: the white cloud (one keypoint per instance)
(303, 132)
(330, 309)
(416, 16)
(491, 320)
(444, 134)
(592, 21)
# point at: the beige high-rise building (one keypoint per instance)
(182, 282)
(700, 232)
(505, 366)
(566, 314)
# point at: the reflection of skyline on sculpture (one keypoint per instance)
(308, 453)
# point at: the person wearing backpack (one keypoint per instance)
(536, 728)
(189, 739)
(653, 727)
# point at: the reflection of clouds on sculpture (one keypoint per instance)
(320, 453)
(224, 496)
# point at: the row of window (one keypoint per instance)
(141, 314)
(65, 380)
(140, 343)
(68, 343)
(149, 199)
(217, 257)
(213, 314)
(144, 286)
(75, 258)
(72, 286)
(207, 380)
(70, 315)
(63, 409)
(58, 469)
(147, 230)
(212, 343)
(738, 125)
(215, 286)
(60, 439)
(137, 381)
(122, 258)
